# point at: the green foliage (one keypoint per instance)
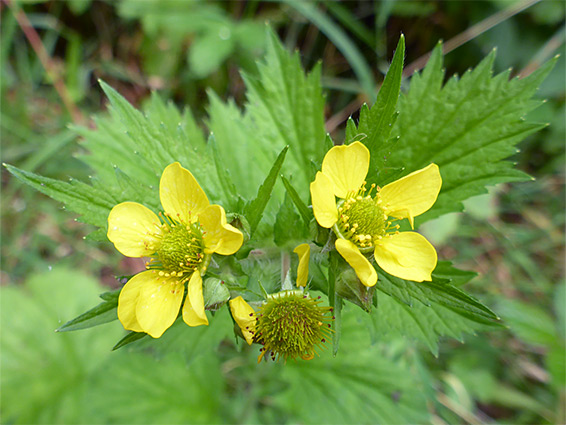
(45, 374)
(467, 126)
(375, 124)
(363, 384)
(287, 108)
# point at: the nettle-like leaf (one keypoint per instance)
(429, 310)
(128, 152)
(467, 126)
(284, 107)
(376, 123)
(364, 384)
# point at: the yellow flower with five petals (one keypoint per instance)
(180, 246)
(365, 224)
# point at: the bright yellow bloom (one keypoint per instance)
(180, 245)
(364, 223)
(289, 324)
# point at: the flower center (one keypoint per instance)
(181, 249)
(291, 324)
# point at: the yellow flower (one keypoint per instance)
(289, 324)
(364, 223)
(180, 246)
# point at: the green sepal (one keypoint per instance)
(240, 223)
(304, 211)
(129, 338)
(104, 312)
(335, 301)
(215, 293)
(349, 287)
(254, 209)
(289, 229)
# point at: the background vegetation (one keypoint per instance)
(513, 237)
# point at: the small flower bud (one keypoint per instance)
(215, 293)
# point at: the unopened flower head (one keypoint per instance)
(179, 244)
(365, 221)
(289, 324)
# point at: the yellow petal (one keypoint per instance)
(244, 316)
(134, 229)
(158, 303)
(219, 236)
(128, 300)
(363, 268)
(193, 309)
(413, 194)
(181, 195)
(323, 201)
(304, 252)
(407, 255)
(347, 167)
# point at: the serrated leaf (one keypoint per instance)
(287, 108)
(376, 123)
(103, 313)
(424, 323)
(92, 203)
(467, 127)
(427, 293)
(255, 208)
(226, 183)
(361, 385)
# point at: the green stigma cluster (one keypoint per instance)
(290, 324)
(181, 250)
(362, 220)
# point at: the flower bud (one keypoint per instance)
(350, 288)
(215, 293)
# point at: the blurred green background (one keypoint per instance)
(513, 236)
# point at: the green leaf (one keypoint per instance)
(136, 388)
(467, 127)
(376, 123)
(287, 108)
(437, 292)
(45, 374)
(255, 208)
(230, 192)
(365, 383)
(306, 214)
(93, 203)
(103, 313)
(426, 323)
